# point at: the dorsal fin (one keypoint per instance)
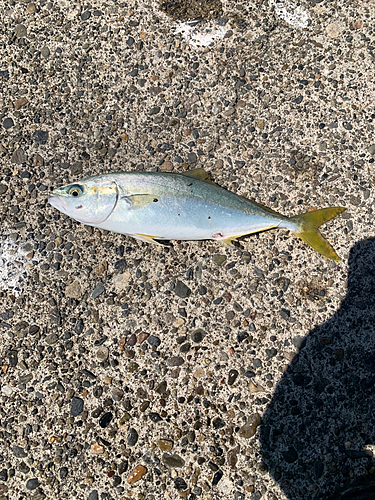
(200, 174)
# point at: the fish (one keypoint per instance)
(157, 206)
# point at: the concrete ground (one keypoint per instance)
(196, 371)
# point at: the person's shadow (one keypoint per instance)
(317, 432)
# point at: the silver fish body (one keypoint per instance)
(163, 206)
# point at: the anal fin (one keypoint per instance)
(228, 241)
(147, 238)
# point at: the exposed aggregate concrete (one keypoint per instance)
(130, 371)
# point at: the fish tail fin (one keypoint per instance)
(307, 229)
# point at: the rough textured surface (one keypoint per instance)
(197, 371)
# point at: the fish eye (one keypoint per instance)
(75, 191)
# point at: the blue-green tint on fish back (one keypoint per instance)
(153, 206)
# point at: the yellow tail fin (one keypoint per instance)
(308, 224)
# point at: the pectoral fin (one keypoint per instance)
(147, 238)
(139, 200)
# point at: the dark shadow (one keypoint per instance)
(317, 428)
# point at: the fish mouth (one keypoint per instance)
(57, 202)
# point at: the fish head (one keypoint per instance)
(90, 201)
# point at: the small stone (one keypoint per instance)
(63, 472)
(332, 30)
(8, 123)
(180, 484)
(249, 429)
(142, 336)
(172, 460)
(132, 437)
(298, 100)
(40, 136)
(77, 406)
(255, 387)
(32, 484)
(121, 281)
(18, 156)
(165, 444)
(137, 473)
(198, 335)
(97, 449)
(20, 31)
(154, 416)
(218, 423)
(3, 189)
(217, 476)
(105, 420)
(175, 361)
(154, 341)
(154, 111)
(167, 166)
(192, 158)
(179, 322)
(45, 52)
(7, 390)
(101, 269)
(232, 376)
(38, 161)
(229, 111)
(261, 124)
(98, 290)
(102, 353)
(117, 394)
(271, 352)
(93, 495)
(74, 290)
(181, 290)
(133, 367)
(219, 259)
(232, 457)
(130, 41)
(85, 15)
(199, 373)
(371, 149)
(4, 475)
(97, 391)
(19, 452)
(13, 357)
(19, 103)
(132, 340)
(185, 347)
(123, 467)
(125, 418)
(31, 8)
(161, 388)
(79, 326)
(95, 413)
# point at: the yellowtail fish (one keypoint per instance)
(153, 206)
